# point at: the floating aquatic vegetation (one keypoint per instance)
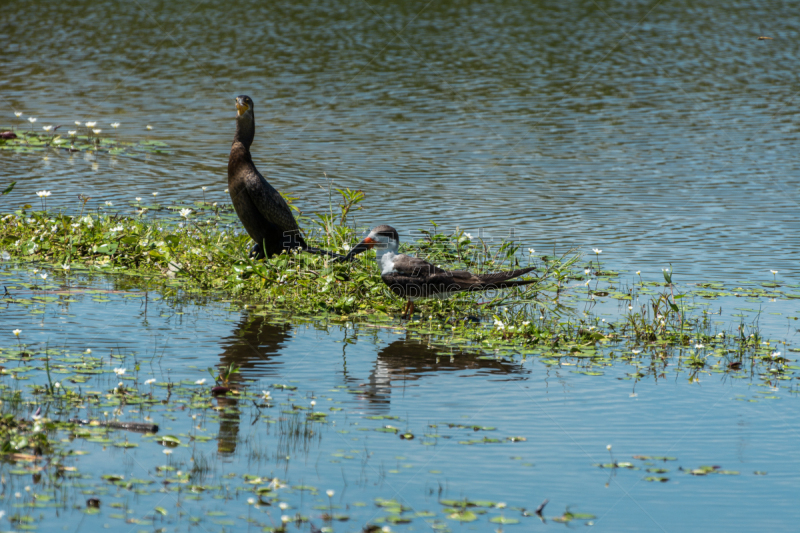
(90, 141)
(203, 254)
(715, 469)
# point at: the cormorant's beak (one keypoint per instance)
(241, 107)
(363, 246)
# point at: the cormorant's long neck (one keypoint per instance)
(245, 130)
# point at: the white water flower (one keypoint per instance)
(265, 394)
(204, 188)
(200, 381)
(65, 266)
(283, 506)
(72, 133)
(119, 371)
(608, 447)
(226, 190)
(77, 122)
(588, 281)
(16, 332)
(149, 127)
(587, 271)
(47, 128)
(138, 199)
(330, 493)
(118, 228)
(500, 505)
(698, 346)
(775, 354)
(90, 124)
(155, 194)
(97, 131)
(18, 113)
(636, 352)
(109, 204)
(115, 125)
(276, 484)
(167, 451)
(43, 194)
(531, 251)
(286, 519)
(251, 501)
(150, 381)
(31, 119)
(185, 212)
(43, 276)
(597, 250)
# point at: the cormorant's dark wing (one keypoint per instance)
(270, 203)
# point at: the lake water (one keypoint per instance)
(662, 133)
(548, 424)
(659, 133)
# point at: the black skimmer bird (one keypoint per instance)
(412, 278)
(264, 213)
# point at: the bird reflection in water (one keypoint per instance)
(253, 348)
(406, 360)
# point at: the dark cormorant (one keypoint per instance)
(264, 213)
